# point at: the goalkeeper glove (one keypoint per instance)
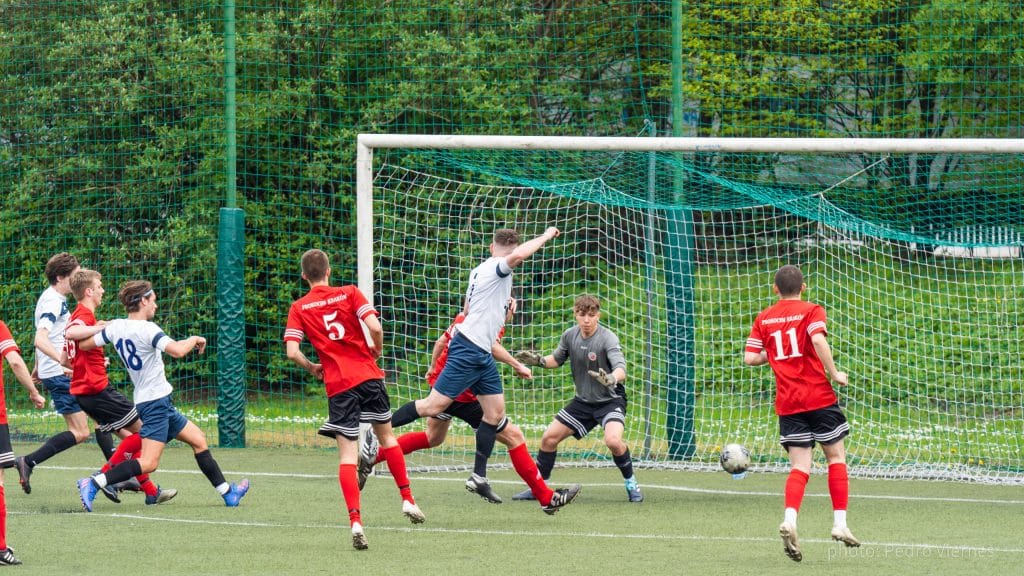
(603, 377)
(530, 358)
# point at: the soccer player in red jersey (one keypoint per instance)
(332, 318)
(10, 351)
(89, 385)
(467, 408)
(791, 337)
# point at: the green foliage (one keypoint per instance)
(112, 141)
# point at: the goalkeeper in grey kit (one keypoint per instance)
(598, 370)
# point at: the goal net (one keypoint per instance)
(915, 255)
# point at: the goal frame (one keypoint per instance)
(367, 143)
(680, 448)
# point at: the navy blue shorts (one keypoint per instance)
(161, 421)
(60, 391)
(468, 367)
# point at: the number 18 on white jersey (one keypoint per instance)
(140, 345)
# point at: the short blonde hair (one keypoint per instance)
(82, 281)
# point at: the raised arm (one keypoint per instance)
(526, 249)
(180, 348)
(78, 332)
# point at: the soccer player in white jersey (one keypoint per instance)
(471, 364)
(598, 370)
(51, 318)
(139, 343)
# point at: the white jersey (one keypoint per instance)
(140, 344)
(490, 286)
(51, 314)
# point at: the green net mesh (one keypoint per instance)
(114, 146)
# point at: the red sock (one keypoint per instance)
(795, 485)
(350, 490)
(148, 487)
(128, 448)
(410, 442)
(396, 464)
(838, 486)
(527, 470)
(3, 519)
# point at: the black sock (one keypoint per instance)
(210, 468)
(625, 464)
(105, 440)
(545, 463)
(405, 415)
(55, 445)
(123, 471)
(485, 434)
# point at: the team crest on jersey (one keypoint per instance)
(592, 356)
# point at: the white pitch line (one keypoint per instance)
(574, 535)
(418, 478)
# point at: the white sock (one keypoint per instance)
(790, 516)
(357, 527)
(223, 488)
(839, 518)
(100, 480)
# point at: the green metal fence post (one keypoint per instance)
(230, 270)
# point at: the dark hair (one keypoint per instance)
(82, 281)
(133, 292)
(506, 237)
(586, 304)
(58, 265)
(789, 280)
(315, 265)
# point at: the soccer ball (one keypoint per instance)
(735, 458)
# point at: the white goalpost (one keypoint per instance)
(912, 245)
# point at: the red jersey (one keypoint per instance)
(329, 317)
(442, 359)
(7, 345)
(88, 369)
(784, 332)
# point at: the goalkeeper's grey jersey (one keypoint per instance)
(601, 350)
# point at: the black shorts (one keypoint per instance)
(469, 412)
(109, 408)
(582, 416)
(6, 452)
(825, 426)
(367, 402)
